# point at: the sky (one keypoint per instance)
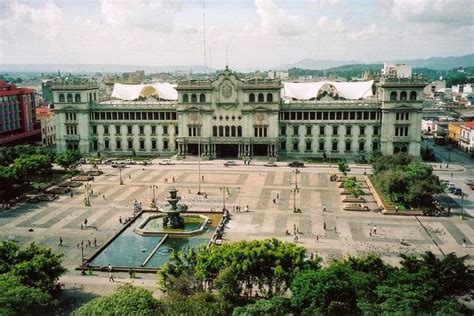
(257, 33)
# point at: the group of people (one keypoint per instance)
(220, 228)
(238, 209)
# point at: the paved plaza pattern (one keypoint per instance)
(346, 233)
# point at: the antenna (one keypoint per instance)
(226, 55)
(204, 33)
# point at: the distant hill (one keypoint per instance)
(436, 63)
(91, 68)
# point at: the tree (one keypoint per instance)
(343, 167)
(67, 158)
(277, 306)
(18, 299)
(126, 300)
(352, 187)
(324, 290)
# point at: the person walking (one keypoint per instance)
(85, 222)
(120, 219)
(464, 242)
(111, 277)
(60, 241)
(324, 225)
(95, 242)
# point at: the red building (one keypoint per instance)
(18, 122)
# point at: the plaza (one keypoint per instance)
(253, 186)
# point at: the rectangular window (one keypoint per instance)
(295, 130)
(308, 130)
(153, 129)
(299, 116)
(287, 116)
(165, 144)
(94, 144)
(283, 130)
(321, 130)
(348, 146)
(132, 115)
(366, 115)
(129, 129)
(176, 130)
(334, 130)
(283, 145)
(153, 144)
(318, 115)
(308, 146)
(295, 146)
(361, 130)
(321, 146)
(361, 146)
(142, 144)
(117, 129)
(325, 116)
(264, 132)
(334, 146)
(142, 130)
(120, 115)
(94, 129)
(352, 115)
(375, 146)
(338, 116)
(109, 116)
(305, 116)
(359, 115)
(107, 144)
(126, 116)
(373, 115)
(165, 130)
(162, 116)
(312, 116)
(376, 130)
(114, 115)
(255, 132)
(348, 130)
(130, 144)
(102, 115)
(118, 144)
(106, 130)
(332, 116)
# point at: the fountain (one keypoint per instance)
(173, 210)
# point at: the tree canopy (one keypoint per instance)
(67, 158)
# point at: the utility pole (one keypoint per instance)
(153, 202)
(223, 189)
(120, 172)
(83, 271)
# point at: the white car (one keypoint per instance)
(165, 162)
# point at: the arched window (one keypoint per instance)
(214, 131)
(413, 96)
(185, 98)
(77, 98)
(239, 131)
(252, 98)
(202, 98)
(260, 97)
(404, 149)
(269, 97)
(221, 131)
(193, 98)
(232, 131)
(61, 97)
(393, 96)
(403, 96)
(227, 131)
(69, 97)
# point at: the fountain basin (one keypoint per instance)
(194, 224)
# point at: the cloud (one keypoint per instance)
(368, 32)
(330, 25)
(153, 14)
(274, 19)
(450, 13)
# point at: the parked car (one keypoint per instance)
(165, 162)
(469, 182)
(457, 191)
(270, 164)
(109, 161)
(58, 190)
(145, 162)
(230, 163)
(296, 164)
(118, 165)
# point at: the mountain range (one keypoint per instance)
(436, 63)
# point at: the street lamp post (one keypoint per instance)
(120, 174)
(83, 271)
(294, 191)
(223, 189)
(87, 200)
(153, 202)
(296, 172)
(462, 206)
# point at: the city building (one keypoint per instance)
(454, 131)
(48, 126)
(397, 70)
(18, 122)
(230, 117)
(466, 138)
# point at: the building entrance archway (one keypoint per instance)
(227, 150)
(193, 149)
(260, 150)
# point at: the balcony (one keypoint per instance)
(401, 139)
(71, 137)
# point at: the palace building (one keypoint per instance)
(229, 117)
